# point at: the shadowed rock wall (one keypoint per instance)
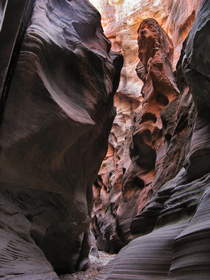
(54, 134)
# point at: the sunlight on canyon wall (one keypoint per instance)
(121, 19)
(117, 184)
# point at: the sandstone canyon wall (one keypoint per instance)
(120, 191)
(173, 226)
(58, 78)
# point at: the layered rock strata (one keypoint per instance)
(174, 225)
(58, 112)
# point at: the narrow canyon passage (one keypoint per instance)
(104, 139)
(150, 134)
(156, 171)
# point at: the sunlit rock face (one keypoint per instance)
(53, 136)
(121, 20)
(174, 225)
(159, 91)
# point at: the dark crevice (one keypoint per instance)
(8, 70)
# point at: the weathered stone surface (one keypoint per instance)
(163, 253)
(107, 189)
(54, 134)
(20, 257)
(196, 68)
(159, 91)
(121, 20)
(174, 225)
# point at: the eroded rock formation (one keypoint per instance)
(107, 190)
(146, 144)
(121, 21)
(174, 225)
(159, 91)
(58, 112)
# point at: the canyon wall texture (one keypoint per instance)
(120, 191)
(57, 85)
(173, 226)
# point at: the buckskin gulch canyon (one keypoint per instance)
(105, 139)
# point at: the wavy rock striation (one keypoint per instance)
(54, 134)
(173, 227)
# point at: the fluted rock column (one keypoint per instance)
(159, 91)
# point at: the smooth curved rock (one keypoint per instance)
(54, 135)
(171, 250)
(196, 66)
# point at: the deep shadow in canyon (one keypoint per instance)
(58, 78)
(87, 140)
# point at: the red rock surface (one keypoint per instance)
(174, 227)
(120, 186)
(159, 91)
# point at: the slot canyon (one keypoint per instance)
(105, 139)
